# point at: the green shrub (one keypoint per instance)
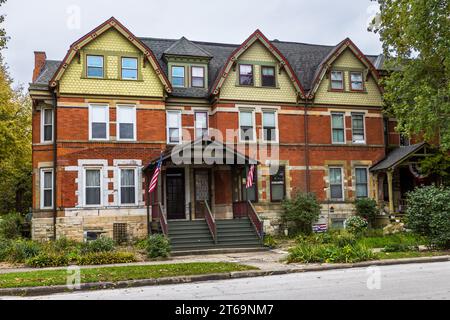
(344, 239)
(399, 247)
(11, 226)
(301, 212)
(46, 260)
(428, 214)
(100, 258)
(157, 246)
(102, 244)
(367, 209)
(356, 225)
(310, 253)
(5, 248)
(269, 241)
(22, 250)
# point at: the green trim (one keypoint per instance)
(257, 74)
(186, 59)
(140, 64)
(187, 73)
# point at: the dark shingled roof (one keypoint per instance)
(304, 59)
(397, 156)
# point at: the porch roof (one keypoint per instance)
(228, 153)
(397, 157)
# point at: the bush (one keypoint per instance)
(157, 246)
(5, 247)
(269, 241)
(11, 226)
(367, 209)
(301, 212)
(344, 239)
(356, 225)
(102, 244)
(394, 228)
(46, 260)
(22, 250)
(428, 214)
(100, 258)
(310, 253)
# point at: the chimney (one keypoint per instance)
(39, 62)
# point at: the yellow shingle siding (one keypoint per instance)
(372, 96)
(285, 92)
(114, 45)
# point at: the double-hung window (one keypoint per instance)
(128, 186)
(47, 125)
(358, 128)
(93, 188)
(46, 188)
(246, 75)
(337, 80)
(270, 126)
(356, 81)
(178, 77)
(362, 188)
(268, 76)
(277, 185)
(201, 124)
(198, 77)
(129, 68)
(173, 127)
(126, 123)
(99, 122)
(338, 127)
(95, 66)
(336, 184)
(246, 124)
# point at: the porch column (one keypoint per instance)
(390, 175)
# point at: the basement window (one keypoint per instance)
(120, 233)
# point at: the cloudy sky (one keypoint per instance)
(51, 26)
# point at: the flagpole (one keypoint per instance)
(149, 229)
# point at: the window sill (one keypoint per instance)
(257, 87)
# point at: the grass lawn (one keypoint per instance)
(383, 241)
(413, 254)
(115, 274)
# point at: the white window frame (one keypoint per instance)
(107, 121)
(368, 184)
(332, 128)
(343, 80)
(362, 81)
(101, 187)
(342, 183)
(179, 113)
(254, 125)
(364, 129)
(136, 187)
(126, 106)
(43, 125)
(195, 122)
(277, 130)
(41, 188)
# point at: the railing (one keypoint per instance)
(211, 222)
(258, 224)
(159, 214)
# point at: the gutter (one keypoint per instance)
(55, 160)
(307, 162)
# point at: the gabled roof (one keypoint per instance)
(256, 36)
(107, 25)
(397, 156)
(184, 47)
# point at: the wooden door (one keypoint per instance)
(176, 206)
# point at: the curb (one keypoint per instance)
(40, 291)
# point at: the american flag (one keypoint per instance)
(154, 181)
(251, 174)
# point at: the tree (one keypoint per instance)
(301, 212)
(416, 42)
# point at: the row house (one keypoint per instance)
(309, 117)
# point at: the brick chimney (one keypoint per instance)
(39, 62)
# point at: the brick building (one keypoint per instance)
(116, 102)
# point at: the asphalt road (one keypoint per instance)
(415, 281)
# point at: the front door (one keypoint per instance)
(202, 192)
(176, 209)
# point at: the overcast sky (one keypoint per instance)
(51, 26)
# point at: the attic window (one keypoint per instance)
(178, 76)
(95, 66)
(357, 81)
(129, 68)
(198, 77)
(337, 80)
(246, 75)
(268, 76)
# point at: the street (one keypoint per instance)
(414, 281)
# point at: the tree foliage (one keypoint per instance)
(416, 42)
(301, 212)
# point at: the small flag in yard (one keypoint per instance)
(251, 174)
(154, 181)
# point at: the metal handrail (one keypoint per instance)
(163, 220)
(257, 222)
(211, 221)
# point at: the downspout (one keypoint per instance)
(55, 160)
(306, 133)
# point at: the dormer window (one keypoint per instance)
(129, 68)
(356, 80)
(95, 66)
(268, 76)
(337, 80)
(246, 75)
(178, 76)
(198, 77)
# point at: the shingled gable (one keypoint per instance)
(333, 55)
(256, 36)
(107, 25)
(184, 47)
